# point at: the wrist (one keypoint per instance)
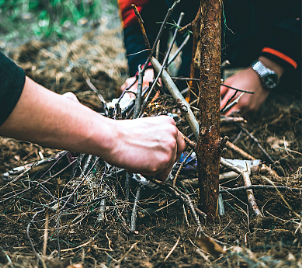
(104, 137)
(277, 68)
(268, 71)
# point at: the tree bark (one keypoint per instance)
(206, 66)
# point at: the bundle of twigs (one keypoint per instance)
(63, 194)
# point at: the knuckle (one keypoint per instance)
(244, 103)
(174, 133)
(169, 120)
(154, 169)
(166, 159)
(171, 144)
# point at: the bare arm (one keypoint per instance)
(149, 146)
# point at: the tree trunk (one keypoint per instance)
(206, 66)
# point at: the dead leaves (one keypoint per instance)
(208, 245)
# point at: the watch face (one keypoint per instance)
(270, 80)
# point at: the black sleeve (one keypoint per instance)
(285, 45)
(12, 80)
(136, 50)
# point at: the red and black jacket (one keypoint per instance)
(270, 28)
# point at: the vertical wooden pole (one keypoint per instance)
(206, 66)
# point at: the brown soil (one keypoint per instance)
(271, 241)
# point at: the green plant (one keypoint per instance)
(48, 17)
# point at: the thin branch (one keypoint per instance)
(227, 107)
(163, 25)
(259, 187)
(164, 62)
(94, 89)
(180, 100)
(237, 89)
(181, 166)
(271, 161)
(134, 210)
(137, 106)
(141, 25)
(178, 50)
(228, 119)
(250, 195)
(172, 249)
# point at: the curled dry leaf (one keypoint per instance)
(209, 246)
(77, 265)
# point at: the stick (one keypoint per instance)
(165, 60)
(271, 161)
(178, 50)
(232, 119)
(239, 151)
(237, 89)
(101, 215)
(246, 178)
(137, 106)
(245, 155)
(250, 194)
(178, 97)
(221, 210)
(172, 249)
(94, 89)
(86, 165)
(173, 39)
(259, 187)
(127, 193)
(184, 198)
(181, 166)
(170, 10)
(31, 242)
(45, 232)
(192, 144)
(232, 104)
(230, 166)
(134, 210)
(141, 25)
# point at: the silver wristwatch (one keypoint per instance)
(269, 79)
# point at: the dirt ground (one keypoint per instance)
(86, 236)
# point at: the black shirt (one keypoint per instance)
(12, 79)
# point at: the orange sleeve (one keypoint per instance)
(280, 55)
(127, 14)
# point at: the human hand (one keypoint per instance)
(248, 80)
(149, 146)
(148, 77)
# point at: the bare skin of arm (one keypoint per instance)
(249, 80)
(148, 146)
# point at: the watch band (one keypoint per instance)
(260, 69)
(269, 79)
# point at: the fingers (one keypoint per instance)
(129, 82)
(181, 145)
(176, 152)
(223, 90)
(163, 175)
(148, 77)
(150, 146)
(227, 97)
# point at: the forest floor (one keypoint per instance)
(86, 236)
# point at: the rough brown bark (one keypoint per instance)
(206, 66)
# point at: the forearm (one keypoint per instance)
(49, 119)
